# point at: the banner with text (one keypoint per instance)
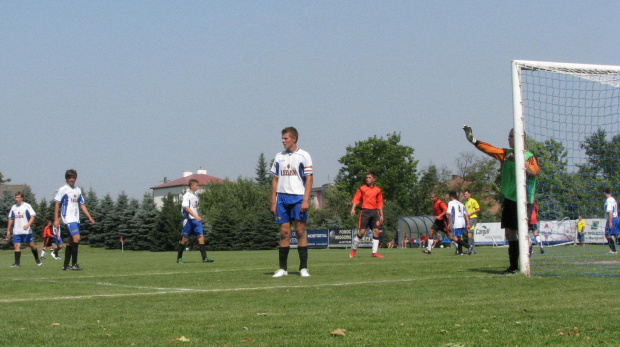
(317, 238)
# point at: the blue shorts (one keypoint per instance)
(73, 228)
(581, 237)
(615, 226)
(57, 240)
(458, 232)
(288, 207)
(191, 227)
(25, 238)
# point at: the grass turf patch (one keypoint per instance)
(408, 298)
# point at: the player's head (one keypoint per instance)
(452, 194)
(511, 138)
(48, 222)
(19, 197)
(607, 191)
(370, 177)
(467, 194)
(70, 175)
(433, 196)
(289, 138)
(292, 132)
(193, 185)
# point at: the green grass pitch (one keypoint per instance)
(406, 299)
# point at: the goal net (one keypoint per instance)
(570, 114)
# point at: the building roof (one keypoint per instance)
(184, 181)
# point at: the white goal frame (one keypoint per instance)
(586, 71)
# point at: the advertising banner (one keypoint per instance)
(317, 238)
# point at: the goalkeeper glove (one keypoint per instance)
(469, 135)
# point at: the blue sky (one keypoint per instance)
(128, 93)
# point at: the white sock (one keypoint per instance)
(43, 253)
(538, 241)
(429, 246)
(356, 243)
(375, 246)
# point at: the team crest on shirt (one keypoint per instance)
(288, 171)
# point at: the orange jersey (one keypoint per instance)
(370, 197)
(47, 232)
(439, 207)
(531, 165)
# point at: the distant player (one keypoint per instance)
(533, 228)
(458, 222)
(47, 238)
(581, 226)
(21, 216)
(612, 222)
(68, 203)
(192, 223)
(371, 216)
(57, 240)
(290, 193)
(473, 208)
(439, 211)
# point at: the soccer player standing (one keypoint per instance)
(508, 188)
(371, 198)
(67, 205)
(473, 208)
(612, 222)
(21, 217)
(290, 192)
(439, 211)
(458, 221)
(192, 223)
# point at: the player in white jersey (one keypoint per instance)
(290, 192)
(21, 217)
(56, 239)
(612, 222)
(68, 203)
(458, 221)
(192, 223)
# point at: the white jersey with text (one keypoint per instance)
(20, 214)
(189, 200)
(292, 169)
(457, 210)
(611, 206)
(70, 199)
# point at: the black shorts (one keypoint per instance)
(439, 225)
(509, 214)
(47, 242)
(369, 219)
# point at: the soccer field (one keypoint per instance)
(406, 299)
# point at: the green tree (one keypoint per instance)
(237, 215)
(335, 212)
(127, 226)
(100, 212)
(429, 182)
(86, 229)
(263, 177)
(393, 163)
(167, 233)
(4, 180)
(145, 223)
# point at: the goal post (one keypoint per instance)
(571, 115)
